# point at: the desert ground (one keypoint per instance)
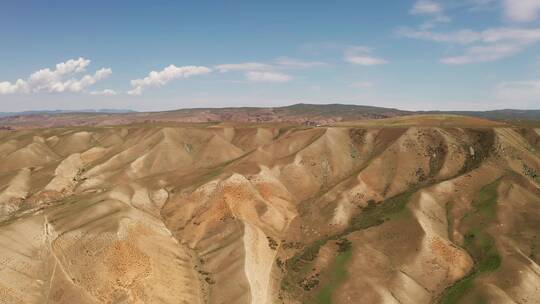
(409, 209)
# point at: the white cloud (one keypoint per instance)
(20, 86)
(160, 78)
(362, 85)
(257, 76)
(245, 66)
(522, 10)
(288, 62)
(265, 72)
(431, 9)
(462, 36)
(58, 80)
(106, 92)
(488, 45)
(484, 54)
(515, 34)
(433, 21)
(426, 7)
(525, 92)
(135, 91)
(361, 55)
(366, 60)
(78, 85)
(467, 36)
(280, 63)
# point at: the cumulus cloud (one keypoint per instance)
(488, 45)
(361, 55)
(522, 10)
(257, 76)
(78, 85)
(168, 74)
(20, 86)
(58, 80)
(106, 92)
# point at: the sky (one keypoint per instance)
(164, 54)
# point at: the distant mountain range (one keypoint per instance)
(310, 114)
(54, 112)
(506, 114)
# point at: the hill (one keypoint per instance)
(308, 114)
(406, 209)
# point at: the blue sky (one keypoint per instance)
(160, 55)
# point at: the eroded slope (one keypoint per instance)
(236, 214)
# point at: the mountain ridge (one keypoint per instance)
(301, 113)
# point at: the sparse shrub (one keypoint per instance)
(420, 174)
(279, 263)
(344, 245)
(272, 243)
(309, 283)
(530, 172)
(188, 147)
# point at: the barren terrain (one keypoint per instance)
(412, 209)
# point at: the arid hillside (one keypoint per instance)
(305, 114)
(415, 209)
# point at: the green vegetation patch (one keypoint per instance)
(377, 213)
(453, 294)
(482, 147)
(338, 273)
(478, 243)
(486, 202)
(299, 262)
(300, 265)
(482, 248)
